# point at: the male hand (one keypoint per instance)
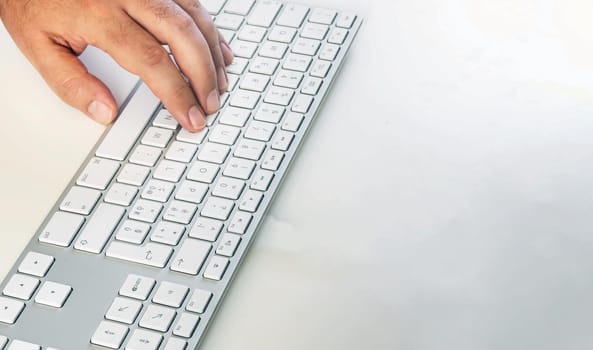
(52, 33)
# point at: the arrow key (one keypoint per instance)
(158, 318)
(124, 310)
(110, 335)
(144, 340)
(53, 294)
(21, 287)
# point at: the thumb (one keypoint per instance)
(67, 76)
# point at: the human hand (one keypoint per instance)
(52, 33)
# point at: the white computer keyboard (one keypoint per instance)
(141, 247)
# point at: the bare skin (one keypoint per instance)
(52, 33)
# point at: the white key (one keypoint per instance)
(240, 222)
(164, 119)
(228, 245)
(254, 82)
(151, 254)
(311, 86)
(282, 140)
(124, 310)
(260, 131)
(61, 229)
(305, 46)
(250, 149)
(289, 79)
(293, 15)
(158, 190)
(302, 103)
(239, 168)
(269, 113)
(98, 173)
(110, 335)
(132, 231)
(320, 69)
(191, 191)
(216, 268)
(175, 344)
(186, 325)
(337, 36)
(36, 264)
(21, 287)
(297, 62)
(190, 257)
(329, 52)
(262, 180)
(264, 13)
(181, 151)
(234, 116)
(145, 210)
(237, 66)
(10, 310)
(346, 20)
(167, 233)
(224, 134)
(3, 341)
(157, 137)
(206, 229)
(252, 33)
(53, 294)
(133, 174)
(279, 96)
(21, 345)
(203, 172)
(233, 80)
(170, 294)
(322, 16)
(199, 301)
(229, 21)
(213, 6)
(282, 34)
(144, 340)
(145, 155)
(242, 48)
(137, 287)
(217, 208)
(272, 49)
(272, 160)
(80, 200)
(181, 212)
(245, 99)
(213, 153)
(251, 201)
(240, 7)
(314, 31)
(169, 170)
(98, 230)
(264, 65)
(227, 187)
(121, 194)
(192, 137)
(129, 125)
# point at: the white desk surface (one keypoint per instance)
(444, 199)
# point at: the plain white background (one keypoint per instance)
(442, 201)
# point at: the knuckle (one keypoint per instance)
(184, 23)
(154, 55)
(70, 89)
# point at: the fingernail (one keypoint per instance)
(196, 118)
(223, 83)
(100, 112)
(213, 101)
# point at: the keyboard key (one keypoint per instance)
(158, 190)
(255, 82)
(224, 134)
(250, 149)
(269, 113)
(186, 325)
(53, 294)
(164, 119)
(98, 173)
(320, 69)
(314, 31)
(233, 79)
(199, 301)
(191, 191)
(302, 103)
(252, 33)
(299, 63)
(157, 318)
(264, 65)
(272, 160)
(245, 99)
(36, 264)
(293, 15)
(133, 174)
(21, 287)
(98, 230)
(237, 66)
(311, 86)
(167, 233)
(251, 201)
(346, 20)
(260, 131)
(235, 116)
(190, 257)
(121, 194)
(169, 170)
(213, 6)
(242, 48)
(61, 229)
(151, 254)
(132, 231)
(180, 212)
(80, 200)
(145, 155)
(262, 180)
(329, 52)
(21, 345)
(124, 310)
(282, 140)
(239, 168)
(240, 222)
(272, 49)
(305, 46)
(157, 137)
(137, 287)
(282, 34)
(176, 344)
(217, 208)
(322, 16)
(293, 122)
(171, 294)
(181, 151)
(264, 13)
(10, 310)
(206, 229)
(279, 96)
(337, 36)
(229, 21)
(289, 79)
(192, 137)
(110, 335)
(203, 172)
(213, 153)
(227, 187)
(228, 245)
(216, 268)
(239, 7)
(144, 340)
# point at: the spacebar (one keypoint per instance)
(152, 254)
(129, 125)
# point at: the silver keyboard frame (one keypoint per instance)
(96, 279)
